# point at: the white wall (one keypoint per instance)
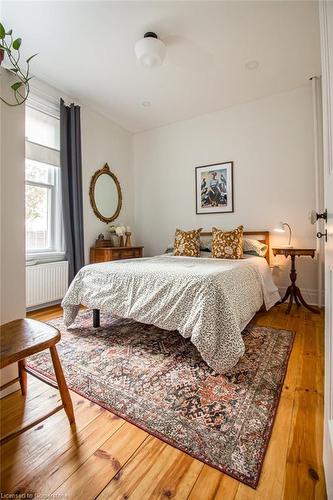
(104, 142)
(271, 144)
(12, 242)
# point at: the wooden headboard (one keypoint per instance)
(262, 236)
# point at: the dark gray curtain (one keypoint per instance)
(71, 186)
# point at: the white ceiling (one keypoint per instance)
(86, 49)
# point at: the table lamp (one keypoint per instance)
(280, 228)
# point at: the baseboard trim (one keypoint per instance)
(310, 295)
(42, 306)
(9, 390)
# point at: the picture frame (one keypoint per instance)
(214, 188)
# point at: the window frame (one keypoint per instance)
(55, 250)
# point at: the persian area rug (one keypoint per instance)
(157, 380)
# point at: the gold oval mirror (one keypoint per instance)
(105, 194)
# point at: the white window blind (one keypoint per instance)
(36, 152)
(44, 228)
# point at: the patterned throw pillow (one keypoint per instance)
(227, 244)
(187, 243)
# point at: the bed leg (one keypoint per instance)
(96, 318)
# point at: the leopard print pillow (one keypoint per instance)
(227, 244)
(187, 243)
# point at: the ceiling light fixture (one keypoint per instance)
(252, 65)
(150, 51)
(146, 104)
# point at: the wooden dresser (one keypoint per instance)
(105, 254)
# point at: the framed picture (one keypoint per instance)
(214, 188)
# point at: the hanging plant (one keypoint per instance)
(10, 47)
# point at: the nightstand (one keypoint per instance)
(105, 254)
(293, 291)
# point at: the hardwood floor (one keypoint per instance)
(108, 458)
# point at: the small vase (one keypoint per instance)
(128, 242)
(113, 240)
(121, 241)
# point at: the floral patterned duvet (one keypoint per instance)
(208, 300)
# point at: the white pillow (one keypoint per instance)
(254, 247)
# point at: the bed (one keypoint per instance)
(207, 300)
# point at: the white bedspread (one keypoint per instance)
(208, 300)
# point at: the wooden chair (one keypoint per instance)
(22, 338)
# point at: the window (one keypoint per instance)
(44, 231)
(41, 127)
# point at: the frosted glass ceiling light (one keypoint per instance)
(150, 51)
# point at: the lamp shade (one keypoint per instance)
(280, 227)
(150, 51)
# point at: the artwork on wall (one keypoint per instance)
(214, 188)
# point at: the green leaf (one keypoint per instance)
(29, 58)
(2, 31)
(16, 85)
(9, 32)
(17, 43)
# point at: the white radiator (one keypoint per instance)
(46, 283)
